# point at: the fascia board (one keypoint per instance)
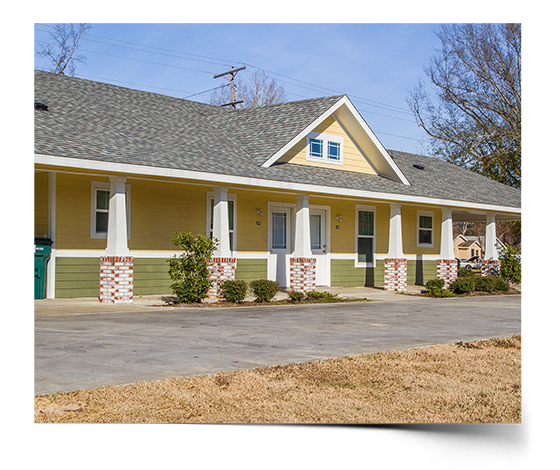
(358, 117)
(213, 178)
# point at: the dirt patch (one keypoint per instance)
(473, 382)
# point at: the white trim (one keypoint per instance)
(106, 186)
(131, 169)
(425, 214)
(325, 138)
(357, 209)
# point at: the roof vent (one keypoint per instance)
(41, 106)
(419, 167)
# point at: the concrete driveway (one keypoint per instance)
(88, 347)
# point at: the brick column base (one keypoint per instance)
(395, 274)
(302, 274)
(115, 279)
(221, 269)
(447, 270)
(491, 267)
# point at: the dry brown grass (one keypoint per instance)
(476, 382)
(534, 446)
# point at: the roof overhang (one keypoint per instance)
(363, 137)
(460, 208)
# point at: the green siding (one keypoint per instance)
(251, 269)
(76, 277)
(344, 274)
(420, 271)
(151, 276)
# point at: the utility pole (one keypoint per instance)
(232, 73)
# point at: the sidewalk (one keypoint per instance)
(92, 304)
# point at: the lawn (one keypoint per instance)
(477, 382)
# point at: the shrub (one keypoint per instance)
(464, 272)
(463, 285)
(296, 296)
(502, 285)
(442, 293)
(234, 291)
(485, 284)
(510, 268)
(264, 289)
(434, 284)
(313, 294)
(189, 270)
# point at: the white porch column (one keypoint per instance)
(446, 263)
(220, 228)
(490, 250)
(117, 244)
(302, 247)
(447, 251)
(395, 233)
(51, 264)
(116, 267)
(395, 269)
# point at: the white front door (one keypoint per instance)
(319, 243)
(280, 242)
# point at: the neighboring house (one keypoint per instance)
(467, 246)
(300, 192)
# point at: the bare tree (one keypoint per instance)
(476, 77)
(63, 53)
(259, 91)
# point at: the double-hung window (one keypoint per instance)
(324, 148)
(100, 196)
(365, 236)
(425, 229)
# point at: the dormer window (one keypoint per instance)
(324, 148)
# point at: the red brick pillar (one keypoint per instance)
(491, 267)
(395, 274)
(221, 269)
(447, 270)
(302, 274)
(115, 279)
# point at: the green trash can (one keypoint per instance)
(42, 254)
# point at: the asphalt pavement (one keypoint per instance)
(82, 344)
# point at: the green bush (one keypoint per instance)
(502, 285)
(434, 284)
(296, 296)
(442, 293)
(234, 291)
(510, 268)
(464, 272)
(463, 285)
(313, 294)
(485, 284)
(264, 289)
(189, 270)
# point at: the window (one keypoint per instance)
(324, 148)
(231, 219)
(425, 229)
(100, 197)
(365, 236)
(279, 230)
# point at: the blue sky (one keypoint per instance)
(374, 64)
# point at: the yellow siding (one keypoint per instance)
(41, 205)
(73, 213)
(158, 210)
(353, 160)
(410, 226)
(250, 236)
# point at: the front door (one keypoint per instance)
(319, 243)
(280, 242)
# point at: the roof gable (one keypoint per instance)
(346, 115)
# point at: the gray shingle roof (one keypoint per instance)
(98, 121)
